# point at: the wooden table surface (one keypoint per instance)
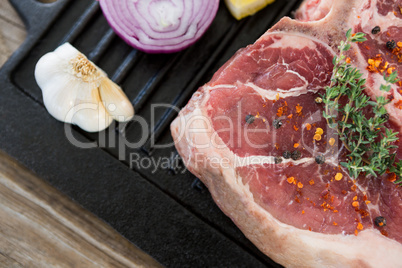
(12, 31)
(39, 226)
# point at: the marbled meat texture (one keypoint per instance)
(262, 105)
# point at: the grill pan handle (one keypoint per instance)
(36, 14)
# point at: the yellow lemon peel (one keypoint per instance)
(244, 8)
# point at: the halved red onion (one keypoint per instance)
(160, 26)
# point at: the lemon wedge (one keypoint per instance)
(244, 8)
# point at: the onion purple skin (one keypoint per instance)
(129, 21)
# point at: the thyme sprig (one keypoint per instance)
(368, 142)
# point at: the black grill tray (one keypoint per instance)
(168, 213)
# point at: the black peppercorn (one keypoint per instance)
(278, 160)
(296, 155)
(250, 119)
(376, 30)
(277, 123)
(391, 44)
(380, 221)
(286, 154)
(385, 116)
(320, 159)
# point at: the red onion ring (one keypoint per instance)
(159, 26)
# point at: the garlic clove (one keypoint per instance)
(71, 87)
(80, 104)
(66, 52)
(59, 101)
(88, 111)
(115, 101)
(49, 66)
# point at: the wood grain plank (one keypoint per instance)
(12, 31)
(40, 227)
(8, 14)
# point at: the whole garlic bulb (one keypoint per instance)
(77, 91)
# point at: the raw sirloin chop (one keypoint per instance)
(261, 105)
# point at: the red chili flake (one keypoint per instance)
(392, 177)
(299, 109)
(295, 128)
(338, 176)
(347, 60)
(303, 212)
(367, 47)
(317, 137)
(279, 113)
(390, 69)
(296, 145)
(276, 146)
(363, 213)
(353, 187)
(290, 116)
(384, 233)
(331, 141)
(300, 185)
(290, 179)
(359, 226)
(398, 104)
(297, 199)
(309, 228)
(356, 232)
(334, 223)
(335, 211)
(311, 182)
(377, 64)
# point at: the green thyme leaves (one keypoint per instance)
(369, 143)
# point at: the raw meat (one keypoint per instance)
(312, 10)
(261, 105)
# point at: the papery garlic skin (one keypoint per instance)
(76, 91)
